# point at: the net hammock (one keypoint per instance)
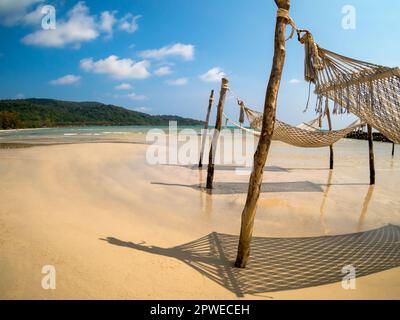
(312, 125)
(306, 135)
(369, 91)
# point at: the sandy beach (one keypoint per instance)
(115, 227)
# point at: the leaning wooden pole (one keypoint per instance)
(267, 130)
(218, 123)
(328, 117)
(204, 136)
(371, 156)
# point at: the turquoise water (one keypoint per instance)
(80, 131)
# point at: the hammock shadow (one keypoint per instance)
(280, 264)
(220, 167)
(307, 169)
(226, 188)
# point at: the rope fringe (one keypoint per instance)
(241, 117)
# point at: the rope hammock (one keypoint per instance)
(305, 135)
(311, 125)
(369, 91)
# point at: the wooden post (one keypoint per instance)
(371, 156)
(393, 149)
(268, 123)
(328, 117)
(203, 140)
(218, 121)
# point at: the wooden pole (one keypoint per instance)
(371, 156)
(218, 121)
(393, 149)
(328, 117)
(264, 143)
(203, 140)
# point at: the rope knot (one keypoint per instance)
(313, 62)
(283, 13)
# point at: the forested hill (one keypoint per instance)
(37, 113)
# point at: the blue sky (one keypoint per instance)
(164, 56)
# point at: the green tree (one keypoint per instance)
(9, 120)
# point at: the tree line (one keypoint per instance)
(39, 113)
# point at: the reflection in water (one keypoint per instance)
(364, 209)
(201, 184)
(323, 203)
(205, 197)
(200, 176)
(209, 203)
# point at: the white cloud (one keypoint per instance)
(123, 86)
(129, 23)
(66, 80)
(213, 75)
(136, 97)
(79, 27)
(131, 96)
(178, 82)
(107, 21)
(13, 12)
(34, 17)
(185, 51)
(117, 68)
(294, 81)
(20, 96)
(163, 71)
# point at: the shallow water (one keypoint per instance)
(87, 130)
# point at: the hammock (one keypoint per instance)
(311, 125)
(296, 136)
(310, 139)
(369, 91)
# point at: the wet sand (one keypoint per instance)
(115, 227)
